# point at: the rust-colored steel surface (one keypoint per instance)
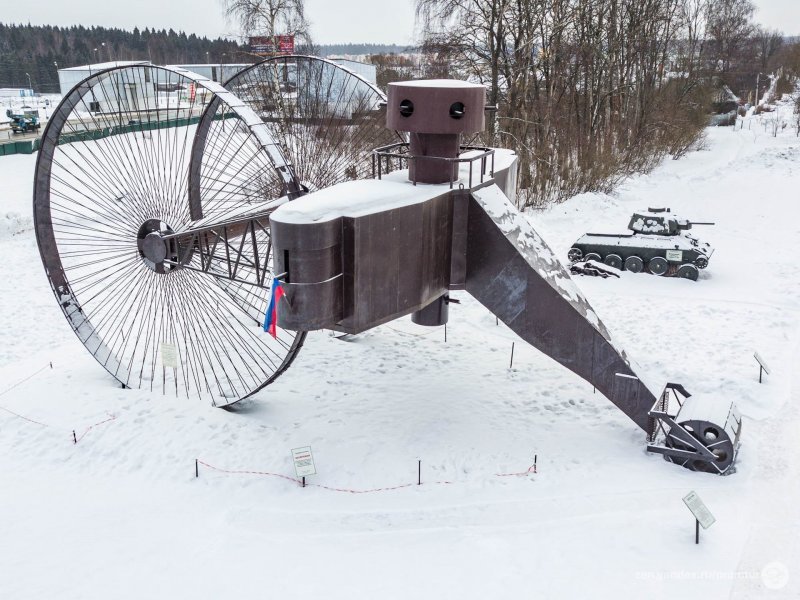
(435, 113)
(363, 253)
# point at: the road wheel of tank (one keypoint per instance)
(701, 262)
(592, 256)
(658, 265)
(613, 260)
(634, 264)
(574, 254)
(688, 271)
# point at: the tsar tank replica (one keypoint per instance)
(659, 243)
(164, 274)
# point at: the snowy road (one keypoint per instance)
(121, 515)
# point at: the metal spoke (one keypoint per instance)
(115, 166)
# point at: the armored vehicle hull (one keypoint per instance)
(658, 245)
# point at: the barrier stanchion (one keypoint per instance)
(529, 471)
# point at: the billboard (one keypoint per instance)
(272, 45)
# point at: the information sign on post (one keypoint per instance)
(701, 513)
(303, 462)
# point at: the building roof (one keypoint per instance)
(106, 65)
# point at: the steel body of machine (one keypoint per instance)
(163, 221)
(24, 122)
(659, 243)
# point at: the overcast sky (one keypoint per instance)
(385, 21)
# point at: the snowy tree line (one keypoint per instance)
(36, 50)
(591, 91)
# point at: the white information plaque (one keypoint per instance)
(675, 255)
(303, 461)
(699, 510)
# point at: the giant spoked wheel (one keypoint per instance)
(323, 118)
(326, 118)
(113, 182)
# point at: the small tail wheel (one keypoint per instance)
(613, 260)
(658, 265)
(717, 439)
(701, 262)
(688, 271)
(634, 264)
(592, 256)
(574, 254)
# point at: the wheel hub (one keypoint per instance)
(153, 249)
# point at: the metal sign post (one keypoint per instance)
(303, 463)
(702, 516)
(762, 365)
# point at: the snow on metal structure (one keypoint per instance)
(167, 229)
(361, 254)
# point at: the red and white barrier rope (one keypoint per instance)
(530, 470)
(88, 429)
(75, 438)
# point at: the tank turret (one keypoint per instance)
(660, 221)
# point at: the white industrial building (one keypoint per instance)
(366, 70)
(16, 92)
(215, 72)
(144, 89)
(71, 76)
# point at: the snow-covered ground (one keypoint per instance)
(120, 514)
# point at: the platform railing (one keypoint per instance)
(386, 155)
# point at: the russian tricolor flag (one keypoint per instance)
(271, 316)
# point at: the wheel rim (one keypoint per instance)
(613, 260)
(719, 442)
(326, 118)
(658, 266)
(688, 272)
(634, 264)
(108, 179)
(574, 254)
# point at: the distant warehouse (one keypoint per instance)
(71, 76)
(147, 89)
(15, 92)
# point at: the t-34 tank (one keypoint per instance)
(659, 242)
